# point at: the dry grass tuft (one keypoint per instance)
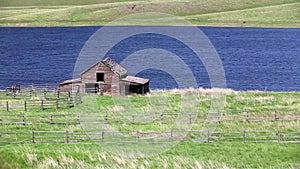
(31, 158)
(116, 109)
(202, 91)
(258, 99)
(48, 163)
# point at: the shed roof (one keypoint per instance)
(78, 80)
(134, 79)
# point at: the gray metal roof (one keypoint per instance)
(134, 79)
(115, 67)
(78, 80)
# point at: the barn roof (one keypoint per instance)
(134, 79)
(115, 67)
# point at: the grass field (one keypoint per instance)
(240, 13)
(187, 154)
(184, 155)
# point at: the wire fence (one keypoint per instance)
(208, 136)
(189, 118)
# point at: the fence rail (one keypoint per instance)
(33, 86)
(43, 104)
(245, 136)
(35, 93)
(27, 119)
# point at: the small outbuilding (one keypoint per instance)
(107, 77)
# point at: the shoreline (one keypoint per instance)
(204, 26)
(209, 90)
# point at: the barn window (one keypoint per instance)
(100, 77)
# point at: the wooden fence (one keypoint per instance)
(245, 136)
(26, 105)
(34, 86)
(33, 94)
(27, 119)
(36, 96)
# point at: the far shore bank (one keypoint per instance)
(239, 13)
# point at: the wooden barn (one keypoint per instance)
(107, 78)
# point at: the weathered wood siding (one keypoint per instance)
(111, 81)
(90, 75)
(115, 82)
(66, 87)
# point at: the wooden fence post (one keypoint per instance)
(78, 119)
(132, 119)
(190, 118)
(247, 116)
(244, 136)
(67, 136)
(161, 118)
(208, 136)
(171, 135)
(56, 104)
(58, 91)
(51, 119)
(275, 116)
(30, 94)
(7, 106)
(45, 93)
(137, 135)
(25, 105)
(33, 137)
(106, 118)
(69, 102)
(102, 136)
(24, 119)
(42, 104)
(278, 136)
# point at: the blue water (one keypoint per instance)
(253, 58)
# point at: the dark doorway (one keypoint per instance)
(91, 87)
(136, 89)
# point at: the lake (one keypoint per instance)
(253, 58)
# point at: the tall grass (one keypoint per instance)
(186, 154)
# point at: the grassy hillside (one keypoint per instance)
(258, 13)
(187, 154)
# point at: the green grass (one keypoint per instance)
(14, 3)
(187, 154)
(259, 13)
(184, 155)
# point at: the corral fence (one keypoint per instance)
(208, 136)
(37, 97)
(35, 94)
(188, 118)
(43, 104)
(18, 88)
